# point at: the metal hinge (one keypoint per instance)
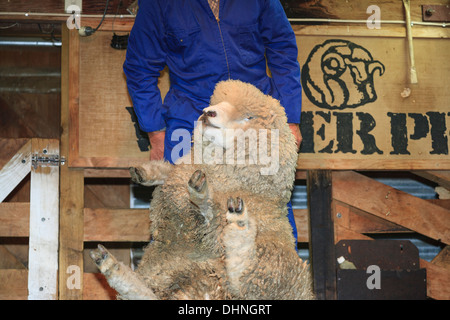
(46, 160)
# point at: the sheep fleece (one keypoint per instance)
(219, 229)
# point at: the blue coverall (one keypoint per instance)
(200, 51)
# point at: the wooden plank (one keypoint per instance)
(301, 217)
(438, 280)
(343, 233)
(8, 260)
(350, 9)
(70, 81)
(9, 148)
(14, 219)
(108, 193)
(354, 9)
(44, 225)
(355, 30)
(107, 173)
(362, 222)
(300, 175)
(116, 225)
(72, 180)
(56, 6)
(99, 224)
(392, 205)
(440, 177)
(444, 203)
(13, 284)
(97, 288)
(108, 224)
(443, 258)
(321, 234)
(15, 170)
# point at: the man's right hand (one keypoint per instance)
(157, 144)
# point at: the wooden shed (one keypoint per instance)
(68, 136)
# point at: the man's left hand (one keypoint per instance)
(295, 128)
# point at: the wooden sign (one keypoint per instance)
(360, 110)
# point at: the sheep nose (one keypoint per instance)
(211, 114)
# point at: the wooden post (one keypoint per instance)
(322, 249)
(72, 180)
(44, 217)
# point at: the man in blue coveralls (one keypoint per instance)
(203, 42)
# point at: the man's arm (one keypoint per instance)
(145, 59)
(281, 51)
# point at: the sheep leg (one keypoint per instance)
(151, 173)
(199, 194)
(239, 240)
(120, 277)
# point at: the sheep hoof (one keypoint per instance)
(197, 181)
(235, 206)
(136, 175)
(99, 255)
(198, 187)
(237, 213)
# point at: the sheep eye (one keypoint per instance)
(249, 118)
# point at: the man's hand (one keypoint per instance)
(295, 128)
(157, 144)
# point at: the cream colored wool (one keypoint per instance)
(202, 250)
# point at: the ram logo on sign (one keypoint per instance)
(359, 105)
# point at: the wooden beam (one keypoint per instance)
(322, 247)
(57, 6)
(438, 280)
(8, 260)
(15, 170)
(343, 233)
(9, 148)
(44, 223)
(353, 9)
(442, 178)
(392, 205)
(301, 217)
(72, 180)
(355, 30)
(443, 258)
(70, 78)
(13, 284)
(99, 224)
(14, 219)
(359, 221)
(107, 173)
